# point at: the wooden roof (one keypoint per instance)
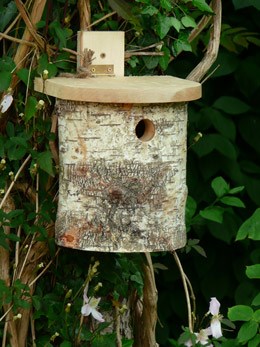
(141, 89)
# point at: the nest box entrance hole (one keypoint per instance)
(145, 130)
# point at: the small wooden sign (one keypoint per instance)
(108, 48)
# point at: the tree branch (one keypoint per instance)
(210, 56)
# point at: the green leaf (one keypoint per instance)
(164, 61)
(7, 64)
(236, 190)
(166, 4)
(215, 141)
(5, 80)
(127, 343)
(245, 3)
(176, 24)
(66, 344)
(249, 128)
(163, 26)
(30, 108)
(250, 228)
(181, 44)
(200, 250)
(13, 237)
(21, 141)
(59, 33)
(232, 201)
(220, 186)
(256, 316)
(6, 14)
(44, 161)
(247, 331)
(221, 123)
(256, 301)
(137, 278)
(202, 5)
(124, 10)
(240, 313)
(213, 213)
(44, 64)
(24, 75)
(188, 22)
(151, 62)
(255, 342)
(150, 10)
(231, 105)
(253, 271)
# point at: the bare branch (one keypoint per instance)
(210, 56)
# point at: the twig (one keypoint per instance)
(36, 219)
(100, 19)
(45, 268)
(198, 29)
(84, 14)
(29, 25)
(14, 180)
(130, 54)
(183, 277)
(17, 247)
(117, 328)
(33, 330)
(14, 39)
(210, 56)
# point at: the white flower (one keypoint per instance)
(201, 337)
(6, 103)
(90, 305)
(215, 324)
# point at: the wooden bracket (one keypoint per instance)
(109, 50)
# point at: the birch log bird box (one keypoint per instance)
(122, 148)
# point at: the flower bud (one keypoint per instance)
(45, 74)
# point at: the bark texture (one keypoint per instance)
(122, 176)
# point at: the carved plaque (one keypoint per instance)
(122, 176)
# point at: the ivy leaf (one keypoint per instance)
(150, 10)
(6, 14)
(188, 22)
(202, 5)
(24, 75)
(30, 108)
(59, 33)
(44, 161)
(5, 80)
(232, 201)
(166, 4)
(176, 24)
(124, 10)
(165, 59)
(163, 25)
(181, 44)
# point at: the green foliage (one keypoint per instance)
(222, 172)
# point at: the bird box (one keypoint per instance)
(122, 152)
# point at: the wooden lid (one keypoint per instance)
(136, 90)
